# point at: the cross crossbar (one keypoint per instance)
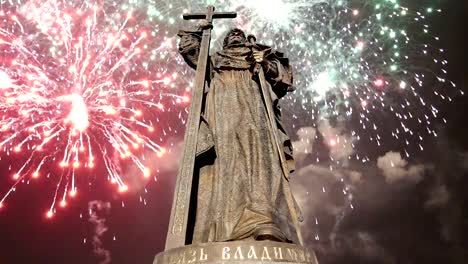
(215, 15)
(210, 15)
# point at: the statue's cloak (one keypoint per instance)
(238, 173)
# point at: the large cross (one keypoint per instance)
(177, 233)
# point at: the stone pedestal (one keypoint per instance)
(237, 252)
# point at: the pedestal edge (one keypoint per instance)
(237, 252)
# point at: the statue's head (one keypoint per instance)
(234, 36)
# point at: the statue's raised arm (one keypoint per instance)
(189, 46)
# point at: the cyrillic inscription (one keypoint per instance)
(237, 252)
(251, 254)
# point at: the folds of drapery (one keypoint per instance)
(240, 179)
(278, 73)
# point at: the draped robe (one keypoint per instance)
(238, 173)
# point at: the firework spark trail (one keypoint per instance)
(74, 88)
(372, 64)
(372, 67)
(82, 80)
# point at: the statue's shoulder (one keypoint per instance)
(182, 33)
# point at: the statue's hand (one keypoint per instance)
(204, 24)
(259, 56)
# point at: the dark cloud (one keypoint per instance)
(464, 162)
(337, 142)
(304, 145)
(392, 210)
(325, 197)
(338, 139)
(438, 197)
(395, 168)
(355, 177)
(355, 247)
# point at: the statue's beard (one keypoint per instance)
(235, 41)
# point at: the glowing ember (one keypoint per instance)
(79, 112)
(379, 82)
(77, 93)
(5, 81)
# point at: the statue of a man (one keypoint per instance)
(240, 194)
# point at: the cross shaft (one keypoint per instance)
(177, 235)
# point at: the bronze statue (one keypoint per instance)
(243, 155)
(232, 202)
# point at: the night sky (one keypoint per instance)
(412, 218)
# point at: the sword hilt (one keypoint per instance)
(252, 39)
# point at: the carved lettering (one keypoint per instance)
(295, 255)
(265, 254)
(301, 256)
(292, 254)
(193, 256)
(178, 258)
(307, 256)
(226, 254)
(238, 254)
(278, 252)
(203, 256)
(251, 254)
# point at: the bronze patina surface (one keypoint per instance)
(237, 252)
(232, 201)
(177, 233)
